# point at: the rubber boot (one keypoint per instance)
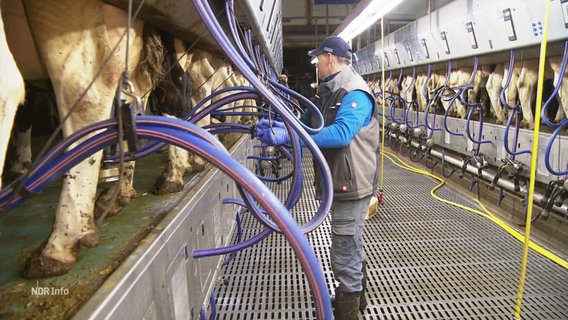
(346, 305)
(362, 297)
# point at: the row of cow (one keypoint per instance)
(482, 87)
(80, 48)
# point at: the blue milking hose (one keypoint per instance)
(316, 280)
(197, 140)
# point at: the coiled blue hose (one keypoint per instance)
(433, 101)
(472, 108)
(480, 132)
(191, 137)
(450, 104)
(315, 275)
(514, 113)
(283, 112)
(556, 88)
(197, 113)
(563, 125)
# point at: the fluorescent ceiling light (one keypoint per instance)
(375, 10)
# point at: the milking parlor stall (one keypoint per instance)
(135, 185)
(477, 91)
(136, 262)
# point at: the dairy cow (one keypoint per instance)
(70, 52)
(562, 96)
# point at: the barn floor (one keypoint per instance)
(426, 260)
(23, 229)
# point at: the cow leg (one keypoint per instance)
(194, 162)
(526, 85)
(418, 87)
(180, 162)
(73, 224)
(476, 95)
(461, 78)
(22, 135)
(12, 94)
(247, 103)
(511, 92)
(81, 42)
(494, 87)
(461, 110)
(171, 179)
(562, 96)
(38, 96)
(112, 200)
(22, 155)
(445, 102)
(222, 78)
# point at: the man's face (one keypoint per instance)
(324, 65)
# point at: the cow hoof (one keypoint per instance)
(89, 240)
(11, 176)
(197, 167)
(247, 120)
(527, 125)
(109, 204)
(163, 186)
(38, 266)
(18, 169)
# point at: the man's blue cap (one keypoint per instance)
(334, 45)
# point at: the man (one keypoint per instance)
(350, 143)
(291, 102)
(283, 79)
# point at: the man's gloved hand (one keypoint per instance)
(272, 132)
(265, 123)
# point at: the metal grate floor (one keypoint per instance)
(426, 260)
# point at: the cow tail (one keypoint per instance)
(152, 56)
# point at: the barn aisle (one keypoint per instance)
(426, 260)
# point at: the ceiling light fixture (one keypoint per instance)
(375, 10)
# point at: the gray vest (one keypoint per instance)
(354, 167)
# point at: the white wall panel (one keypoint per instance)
(467, 28)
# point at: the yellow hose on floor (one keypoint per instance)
(485, 213)
(528, 244)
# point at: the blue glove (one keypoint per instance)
(265, 123)
(272, 132)
(275, 136)
(261, 127)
